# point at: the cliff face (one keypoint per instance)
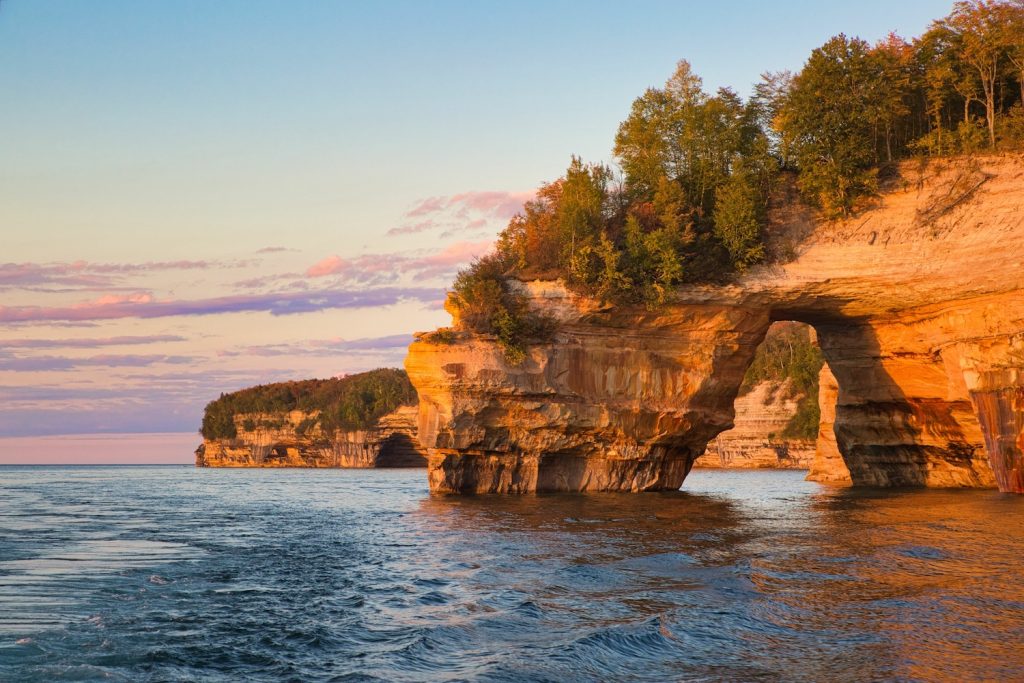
(755, 440)
(918, 305)
(279, 440)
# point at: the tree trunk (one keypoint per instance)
(990, 114)
(989, 76)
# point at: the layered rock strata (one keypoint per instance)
(282, 440)
(756, 441)
(918, 305)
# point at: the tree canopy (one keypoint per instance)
(688, 202)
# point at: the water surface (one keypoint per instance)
(178, 574)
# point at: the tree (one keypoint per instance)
(936, 59)
(647, 142)
(766, 105)
(685, 135)
(739, 216)
(580, 209)
(980, 27)
(827, 115)
(889, 86)
(1013, 39)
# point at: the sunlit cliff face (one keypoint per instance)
(919, 313)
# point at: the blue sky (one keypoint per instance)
(198, 196)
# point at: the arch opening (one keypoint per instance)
(784, 410)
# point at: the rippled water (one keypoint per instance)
(178, 574)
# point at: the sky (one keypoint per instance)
(196, 197)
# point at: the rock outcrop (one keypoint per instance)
(756, 441)
(828, 466)
(282, 440)
(918, 305)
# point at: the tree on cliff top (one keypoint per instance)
(698, 168)
(826, 116)
(980, 27)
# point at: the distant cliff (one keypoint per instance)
(363, 420)
(777, 413)
(279, 440)
(756, 439)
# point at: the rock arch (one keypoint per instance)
(920, 315)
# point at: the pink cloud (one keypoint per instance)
(383, 267)
(329, 266)
(497, 204)
(411, 229)
(494, 203)
(428, 206)
(113, 299)
(369, 268)
(86, 275)
(327, 348)
(61, 363)
(275, 303)
(454, 255)
(89, 343)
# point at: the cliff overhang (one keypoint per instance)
(918, 304)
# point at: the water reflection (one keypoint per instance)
(759, 576)
(180, 575)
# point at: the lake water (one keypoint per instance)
(179, 574)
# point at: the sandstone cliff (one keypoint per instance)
(918, 305)
(756, 440)
(295, 439)
(828, 466)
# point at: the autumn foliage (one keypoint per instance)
(696, 169)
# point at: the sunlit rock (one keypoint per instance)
(918, 304)
(280, 440)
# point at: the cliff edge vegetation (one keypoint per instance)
(698, 169)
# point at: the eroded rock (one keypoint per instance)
(756, 440)
(280, 440)
(919, 313)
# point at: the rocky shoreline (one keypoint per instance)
(280, 440)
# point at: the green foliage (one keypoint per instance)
(488, 303)
(684, 135)
(351, 402)
(855, 105)
(634, 242)
(443, 335)
(1011, 128)
(805, 421)
(698, 168)
(219, 419)
(739, 215)
(307, 425)
(826, 117)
